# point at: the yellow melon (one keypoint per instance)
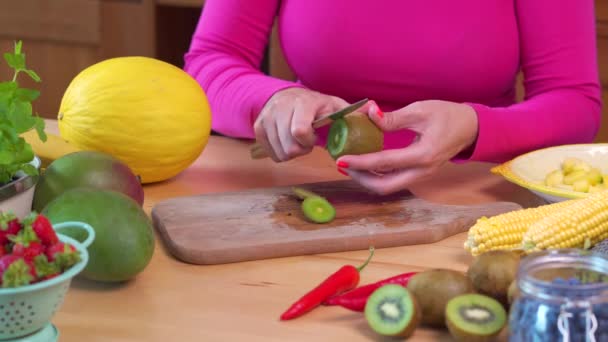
(148, 113)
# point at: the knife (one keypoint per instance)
(258, 152)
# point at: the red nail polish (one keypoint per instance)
(342, 164)
(378, 110)
(342, 172)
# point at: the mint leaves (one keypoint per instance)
(16, 117)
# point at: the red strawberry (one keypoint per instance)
(6, 261)
(9, 225)
(13, 227)
(44, 230)
(43, 269)
(32, 269)
(62, 254)
(3, 250)
(16, 272)
(28, 252)
(26, 243)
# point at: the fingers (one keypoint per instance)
(407, 117)
(291, 147)
(262, 138)
(389, 183)
(388, 160)
(372, 110)
(272, 133)
(301, 125)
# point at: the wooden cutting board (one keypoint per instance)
(266, 223)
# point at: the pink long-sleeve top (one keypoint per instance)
(397, 52)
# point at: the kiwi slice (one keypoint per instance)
(318, 209)
(475, 317)
(354, 134)
(392, 310)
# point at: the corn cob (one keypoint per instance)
(582, 224)
(505, 231)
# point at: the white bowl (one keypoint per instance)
(529, 170)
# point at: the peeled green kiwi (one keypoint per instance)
(475, 317)
(392, 310)
(318, 209)
(434, 288)
(492, 272)
(354, 134)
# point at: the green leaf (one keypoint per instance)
(44, 267)
(9, 134)
(18, 45)
(10, 59)
(39, 126)
(8, 87)
(25, 154)
(29, 169)
(29, 95)
(16, 117)
(6, 157)
(17, 274)
(16, 62)
(21, 116)
(32, 74)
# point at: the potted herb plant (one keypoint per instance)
(19, 167)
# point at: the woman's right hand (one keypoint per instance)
(284, 126)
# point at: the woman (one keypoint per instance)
(441, 75)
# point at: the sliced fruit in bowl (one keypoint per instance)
(561, 172)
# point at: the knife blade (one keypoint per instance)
(327, 119)
(257, 152)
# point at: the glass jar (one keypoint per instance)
(561, 295)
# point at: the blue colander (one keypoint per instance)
(27, 309)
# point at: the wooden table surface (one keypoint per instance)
(175, 301)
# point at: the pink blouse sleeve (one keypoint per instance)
(562, 103)
(225, 57)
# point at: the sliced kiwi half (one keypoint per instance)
(318, 209)
(392, 310)
(354, 134)
(475, 317)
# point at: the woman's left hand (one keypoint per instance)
(443, 130)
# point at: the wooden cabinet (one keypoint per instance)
(62, 37)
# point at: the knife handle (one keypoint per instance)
(257, 151)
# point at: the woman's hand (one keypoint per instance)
(284, 126)
(443, 130)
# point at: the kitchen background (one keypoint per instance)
(62, 37)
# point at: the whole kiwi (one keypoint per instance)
(434, 288)
(354, 134)
(492, 272)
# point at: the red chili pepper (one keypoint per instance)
(344, 279)
(356, 299)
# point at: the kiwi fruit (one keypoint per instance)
(475, 317)
(433, 289)
(354, 134)
(318, 210)
(492, 272)
(392, 310)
